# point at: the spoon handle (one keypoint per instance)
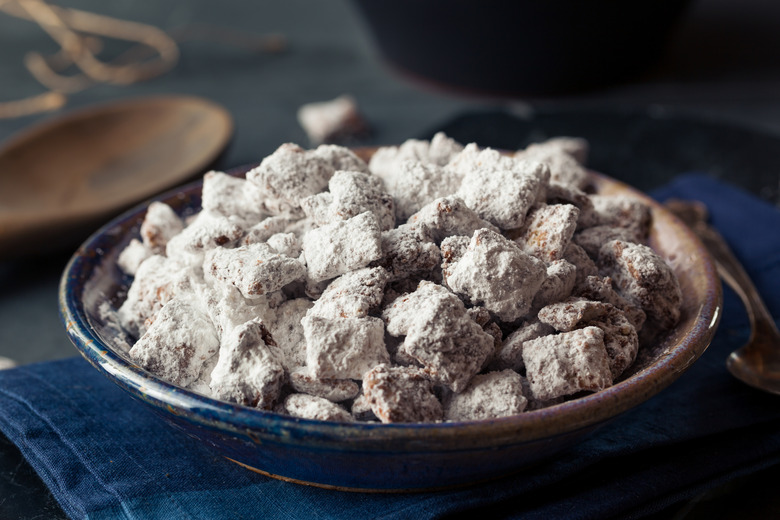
(695, 215)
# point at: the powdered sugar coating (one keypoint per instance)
(177, 344)
(563, 364)
(510, 355)
(488, 396)
(408, 251)
(352, 295)
(248, 371)
(591, 239)
(342, 246)
(335, 390)
(256, 269)
(132, 256)
(625, 212)
(265, 229)
(548, 230)
(313, 407)
(439, 151)
(557, 286)
(413, 184)
(401, 394)
(160, 224)
(449, 216)
(496, 273)
(343, 348)
(232, 196)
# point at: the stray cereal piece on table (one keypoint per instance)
(160, 224)
(313, 407)
(342, 246)
(510, 355)
(643, 278)
(343, 348)
(401, 394)
(351, 193)
(567, 363)
(333, 121)
(232, 196)
(248, 371)
(177, 344)
(256, 269)
(352, 295)
(548, 230)
(440, 335)
(488, 396)
(449, 216)
(408, 251)
(289, 175)
(496, 273)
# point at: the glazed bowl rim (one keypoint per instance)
(564, 418)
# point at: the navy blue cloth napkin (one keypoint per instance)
(103, 455)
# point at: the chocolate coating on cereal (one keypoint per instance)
(548, 230)
(510, 355)
(567, 363)
(496, 273)
(408, 251)
(643, 278)
(624, 212)
(488, 396)
(177, 344)
(335, 390)
(401, 394)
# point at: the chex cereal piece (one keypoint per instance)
(265, 229)
(496, 273)
(248, 371)
(313, 407)
(408, 250)
(558, 193)
(201, 384)
(287, 244)
(503, 197)
(564, 168)
(287, 176)
(361, 410)
(440, 335)
(177, 344)
(132, 256)
(335, 390)
(479, 314)
(336, 120)
(600, 289)
(160, 224)
(491, 395)
(577, 147)
(343, 348)
(568, 315)
(453, 248)
(592, 238)
(449, 216)
(567, 363)
(152, 288)
(285, 326)
(624, 212)
(548, 230)
(585, 265)
(401, 394)
(557, 286)
(208, 231)
(351, 193)
(232, 196)
(352, 295)
(256, 269)
(620, 339)
(226, 306)
(342, 246)
(340, 158)
(643, 278)
(534, 403)
(414, 184)
(440, 150)
(510, 355)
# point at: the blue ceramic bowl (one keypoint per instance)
(382, 457)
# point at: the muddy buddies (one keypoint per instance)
(438, 282)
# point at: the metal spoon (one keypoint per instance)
(757, 363)
(60, 179)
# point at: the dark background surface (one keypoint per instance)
(711, 103)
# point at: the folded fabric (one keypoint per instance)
(104, 455)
